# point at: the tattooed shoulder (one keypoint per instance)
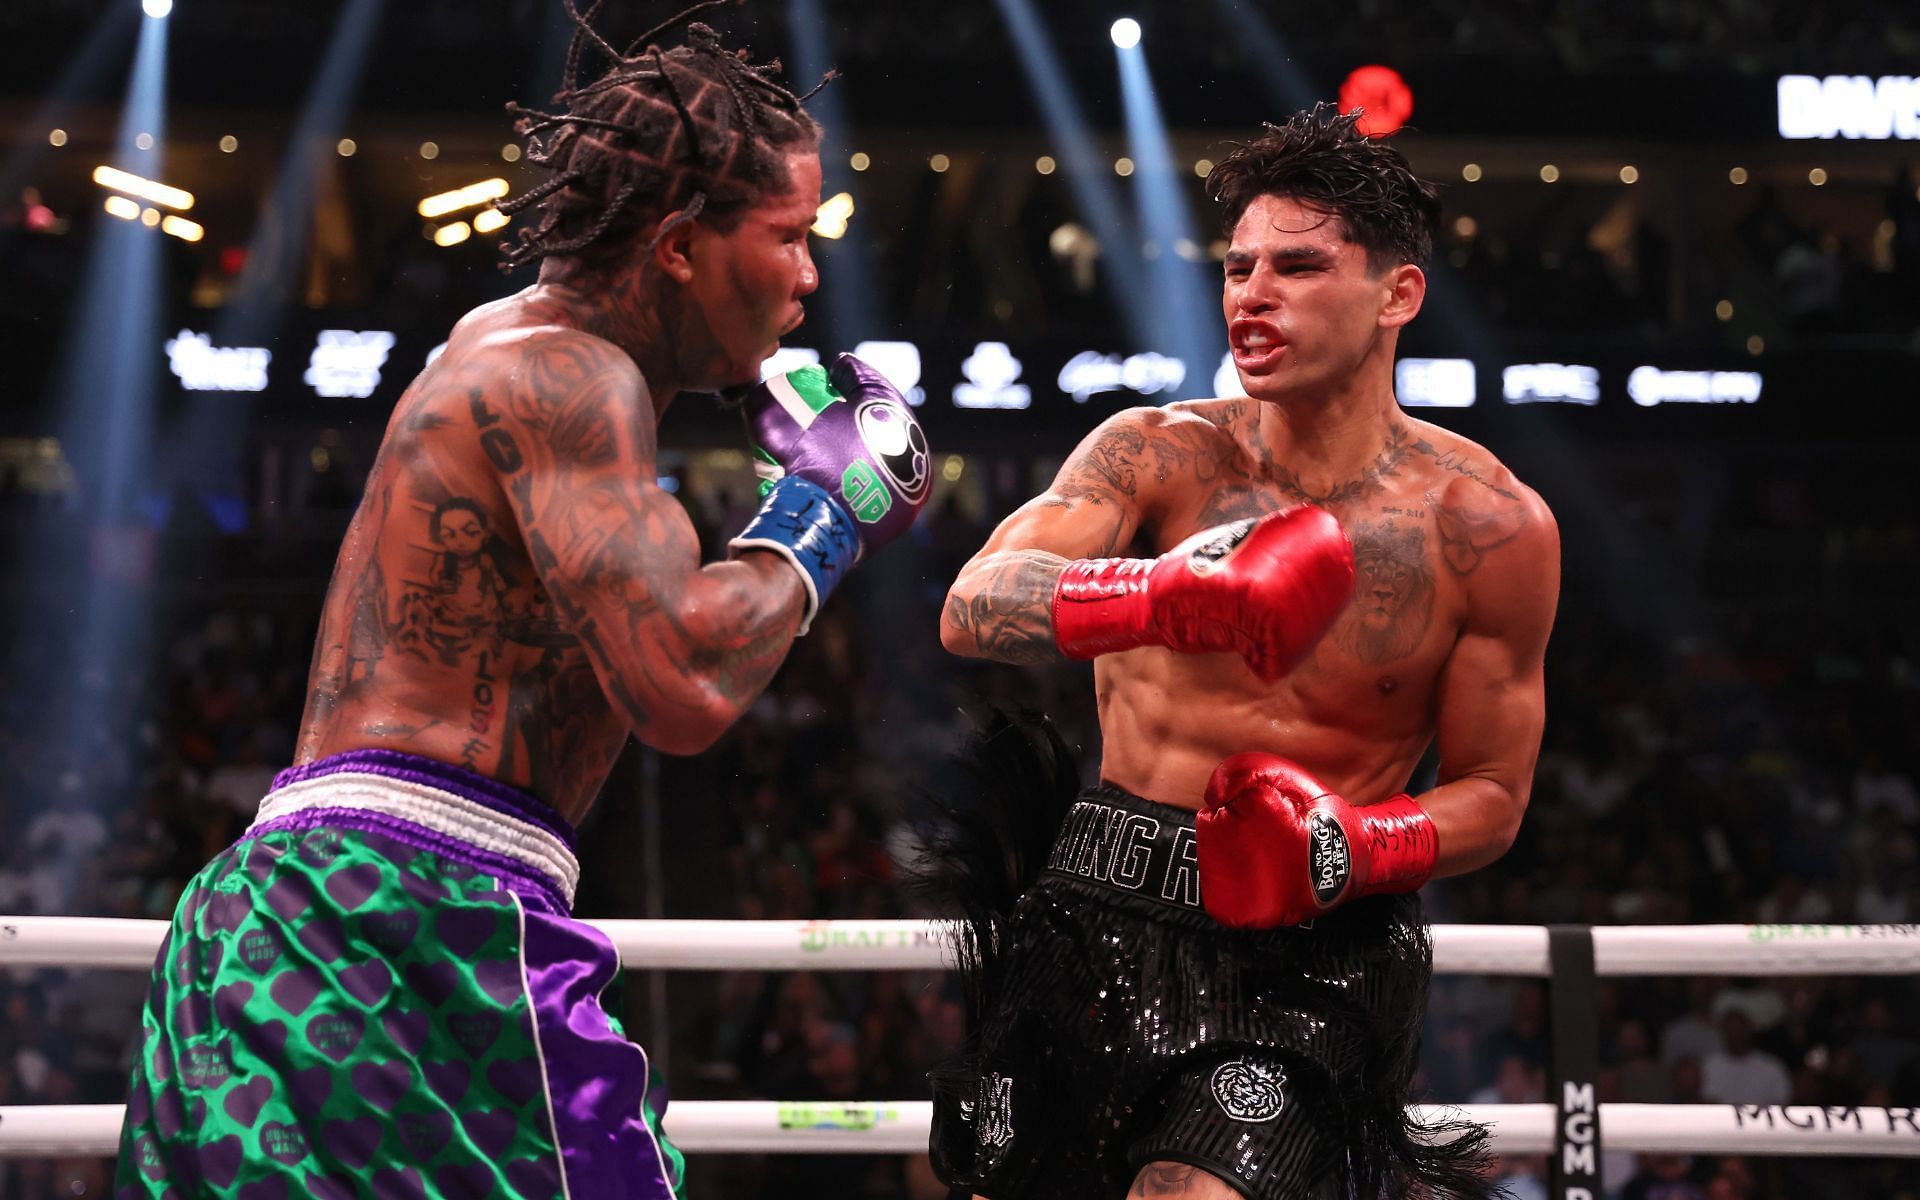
(1474, 517)
(1457, 457)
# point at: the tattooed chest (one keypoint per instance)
(1397, 593)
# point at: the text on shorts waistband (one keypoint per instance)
(1129, 845)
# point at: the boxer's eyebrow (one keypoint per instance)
(1285, 254)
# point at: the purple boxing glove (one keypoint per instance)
(850, 432)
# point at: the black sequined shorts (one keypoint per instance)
(1123, 1026)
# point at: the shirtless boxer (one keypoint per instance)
(1215, 986)
(379, 991)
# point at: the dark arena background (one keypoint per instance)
(1677, 292)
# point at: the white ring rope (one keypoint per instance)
(920, 945)
(901, 1127)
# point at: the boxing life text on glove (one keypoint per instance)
(1277, 848)
(844, 469)
(1265, 588)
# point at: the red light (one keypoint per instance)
(1386, 99)
(39, 218)
(232, 260)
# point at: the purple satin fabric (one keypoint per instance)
(596, 1079)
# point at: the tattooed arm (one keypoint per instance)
(1000, 607)
(680, 649)
(1492, 700)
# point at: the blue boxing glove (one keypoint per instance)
(844, 469)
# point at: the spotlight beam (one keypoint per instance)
(80, 76)
(105, 388)
(1087, 175)
(279, 242)
(1183, 304)
(1287, 85)
(847, 288)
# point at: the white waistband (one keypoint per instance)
(431, 808)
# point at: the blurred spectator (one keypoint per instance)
(1741, 1072)
(1664, 1177)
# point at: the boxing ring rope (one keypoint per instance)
(901, 1127)
(1771, 950)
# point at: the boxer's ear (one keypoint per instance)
(1404, 289)
(671, 245)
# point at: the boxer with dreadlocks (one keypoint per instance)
(379, 989)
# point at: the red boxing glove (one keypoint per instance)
(1265, 589)
(1277, 848)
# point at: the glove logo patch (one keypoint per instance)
(1249, 1091)
(865, 495)
(1329, 859)
(1210, 555)
(897, 444)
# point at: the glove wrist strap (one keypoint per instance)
(1401, 846)
(800, 522)
(1100, 607)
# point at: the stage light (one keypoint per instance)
(1044, 164)
(1382, 96)
(452, 235)
(510, 153)
(830, 219)
(1649, 386)
(1724, 310)
(489, 219)
(1125, 33)
(149, 217)
(1123, 167)
(125, 209)
(939, 163)
(57, 138)
(180, 227)
(1756, 345)
(1465, 227)
(1203, 167)
(1737, 176)
(1817, 177)
(1551, 383)
(1629, 174)
(143, 141)
(145, 189)
(859, 161)
(952, 467)
(229, 144)
(157, 9)
(347, 147)
(471, 196)
(1549, 173)
(429, 150)
(1471, 172)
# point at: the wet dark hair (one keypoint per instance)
(1320, 158)
(697, 129)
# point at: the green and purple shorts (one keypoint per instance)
(379, 992)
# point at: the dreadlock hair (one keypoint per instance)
(698, 129)
(1321, 159)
